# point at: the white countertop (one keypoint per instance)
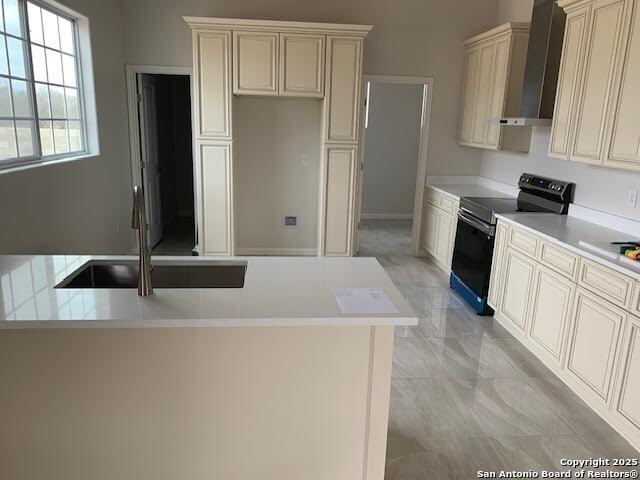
(574, 234)
(457, 191)
(278, 291)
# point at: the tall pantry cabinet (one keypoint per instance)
(236, 57)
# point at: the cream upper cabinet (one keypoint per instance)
(493, 76)
(302, 65)
(212, 84)
(518, 272)
(550, 312)
(485, 81)
(255, 63)
(471, 67)
(595, 116)
(568, 79)
(623, 149)
(605, 31)
(627, 405)
(344, 70)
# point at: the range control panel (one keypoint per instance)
(550, 185)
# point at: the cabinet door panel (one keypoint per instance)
(605, 31)
(625, 133)
(499, 252)
(212, 92)
(343, 94)
(340, 169)
(430, 230)
(496, 106)
(443, 237)
(255, 63)
(301, 65)
(568, 81)
(628, 404)
(215, 191)
(593, 341)
(518, 280)
(485, 81)
(550, 311)
(469, 96)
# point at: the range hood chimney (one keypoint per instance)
(541, 69)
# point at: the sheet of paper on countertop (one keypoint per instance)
(363, 300)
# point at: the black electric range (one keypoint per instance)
(475, 234)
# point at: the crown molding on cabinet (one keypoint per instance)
(277, 26)
(509, 27)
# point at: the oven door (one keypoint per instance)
(473, 252)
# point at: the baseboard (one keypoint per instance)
(386, 216)
(278, 252)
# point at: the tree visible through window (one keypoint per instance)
(40, 96)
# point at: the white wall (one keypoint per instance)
(83, 206)
(412, 37)
(391, 149)
(272, 180)
(599, 188)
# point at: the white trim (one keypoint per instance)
(386, 216)
(423, 149)
(278, 252)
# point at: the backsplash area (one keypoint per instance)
(598, 188)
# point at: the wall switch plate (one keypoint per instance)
(290, 221)
(632, 198)
(304, 159)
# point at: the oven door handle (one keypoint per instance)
(479, 224)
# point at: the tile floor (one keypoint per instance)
(178, 239)
(467, 396)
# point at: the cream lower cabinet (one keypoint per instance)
(627, 403)
(550, 312)
(593, 342)
(493, 77)
(577, 316)
(518, 273)
(439, 228)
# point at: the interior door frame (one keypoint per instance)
(423, 152)
(131, 75)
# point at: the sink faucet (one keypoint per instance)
(138, 222)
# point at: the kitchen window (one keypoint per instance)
(41, 102)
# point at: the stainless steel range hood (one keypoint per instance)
(541, 69)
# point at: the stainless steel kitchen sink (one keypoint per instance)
(123, 274)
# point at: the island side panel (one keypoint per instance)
(193, 403)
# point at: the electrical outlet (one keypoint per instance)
(290, 221)
(632, 198)
(304, 159)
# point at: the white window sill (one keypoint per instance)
(18, 167)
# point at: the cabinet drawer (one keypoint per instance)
(559, 259)
(523, 241)
(610, 285)
(448, 204)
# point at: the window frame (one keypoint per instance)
(38, 158)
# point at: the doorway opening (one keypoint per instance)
(394, 147)
(162, 159)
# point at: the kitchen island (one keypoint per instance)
(270, 380)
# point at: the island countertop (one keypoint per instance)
(278, 291)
